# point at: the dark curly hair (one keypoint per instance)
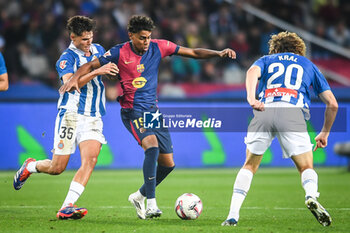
(287, 42)
(138, 23)
(79, 24)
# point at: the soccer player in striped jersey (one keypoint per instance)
(138, 62)
(285, 76)
(78, 122)
(4, 81)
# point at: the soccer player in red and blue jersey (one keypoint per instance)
(285, 76)
(138, 62)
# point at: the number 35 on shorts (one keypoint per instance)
(66, 132)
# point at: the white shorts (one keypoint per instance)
(283, 120)
(72, 128)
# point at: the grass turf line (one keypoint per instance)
(275, 202)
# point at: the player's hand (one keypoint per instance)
(257, 105)
(109, 69)
(321, 140)
(228, 53)
(71, 85)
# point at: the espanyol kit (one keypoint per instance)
(79, 115)
(284, 89)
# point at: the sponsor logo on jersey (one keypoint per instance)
(280, 91)
(139, 82)
(60, 145)
(63, 64)
(140, 68)
(128, 62)
(107, 54)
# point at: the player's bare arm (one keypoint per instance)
(251, 81)
(328, 98)
(201, 53)
(4, 82)
(86, 73)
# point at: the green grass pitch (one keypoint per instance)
(275, 202)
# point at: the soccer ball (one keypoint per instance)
(188, 206)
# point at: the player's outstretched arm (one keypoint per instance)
(84, 74)
(251, 81)
(107, 69)
(328, 98)
(200, 53)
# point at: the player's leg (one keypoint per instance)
(165, 160)
(309, 180)
(298, 147)
(133, 122)
(259, 138)
(242, 186)
(53, 167)
(89, 151)
(64, 145)
(89, 136)
(150, 145)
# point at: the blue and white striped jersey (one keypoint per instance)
(91, 101)
(287, 77)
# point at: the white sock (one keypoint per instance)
(240, 190)
(75, 190)
(139, 195)
(151, 203)
(31, 167)
(309, 180)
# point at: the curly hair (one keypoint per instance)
(138, 23)
(287, 42)
(79, 24)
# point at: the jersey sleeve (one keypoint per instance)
(261, 63)
(100, 49)
(65, 64)
(319, 83)
(3, 69)
(167, 48)
(111, 55)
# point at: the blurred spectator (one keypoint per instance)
(34, 32)
(339, 34)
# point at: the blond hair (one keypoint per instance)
(287, 42)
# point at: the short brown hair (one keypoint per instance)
(287, 42)
(138, 23)
(79, 24)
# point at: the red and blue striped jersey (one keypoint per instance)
(138, 74)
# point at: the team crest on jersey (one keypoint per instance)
(139, 82)
(60, 145)
(63, 64)
(107, 54)
(93, 58)
(140, 68)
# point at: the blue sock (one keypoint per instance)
(149, 171)
(162, 172)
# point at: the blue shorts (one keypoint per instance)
(133, 121)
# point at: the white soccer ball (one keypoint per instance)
(188, 206)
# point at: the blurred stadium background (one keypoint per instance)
(33, 35)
